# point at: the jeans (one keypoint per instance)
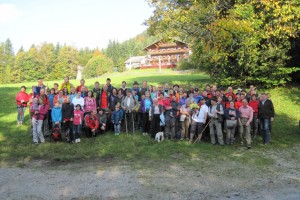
(37, 131)
(77, 130)
(117, 128)
(265, 130)
(21, 113)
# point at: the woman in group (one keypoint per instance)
(112, 98)
(78, 100)
(145, 108)
(154, 116)
(37, 122)
(89, 103)
(72, 94)
(22, 99)
(231, 117)
(119, 97)
(61, 98)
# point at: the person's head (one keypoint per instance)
(108, 81)
(40, 82)
(150, 88)
(204, 93)
(23, 88)
(207, 88)
(73, 90)
(97, 85)
(117, 108)
(118, 104)
(175, 87)
(42, 91)
(214, 100)
(196, 91)
(173, 98)
(83, 89)
(214, 88)
(60, 93)
(78, 107)
(153, 89)
(245, 102)
(90, 94)
(128, 92)
(242, 96)
(66, 79)
(166, 86)
(144, 85)
(159, 88)
(230, 98)
(120, 92)
(218, 93)
(191, 95)
(93, 112)
(202, 101)
(238, 96)
(65, 90)
(184, 94)
(135, 85)
(171, 91)
(229, 90)
(52, 91)
(82, 82)
(161, 95)
(100, 112)
(252, 88)
(104, 87)
(147, 94)
(263, 96)
(155, 101)
(78, 94)
(123, 84)
(114, 91)
(181, 89)
(56, 104)
(143, 96)
(48, 91)
(55, 86)
(220, 99)
(68, 99)
(253, 97)
(231, 104)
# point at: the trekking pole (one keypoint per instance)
(126, 123)
(132, 123)
(203, 129)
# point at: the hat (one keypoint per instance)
(135, 83)
(175, 85)
(214, 98)
(194, 106)
(239, 89)
(196, 90)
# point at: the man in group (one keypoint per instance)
(266, 114)
(96, 89)
(215, 123)
(136, 89)
(124, 88)
(197, 96)
(246, 117)
(66, 84)
(78, 88)
(199, 120)
(40, 86)
(144, 88)
(109, 86)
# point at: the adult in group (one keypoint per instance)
(89, 103)
(82, 82)
(96, 89)
(102, 99)
(22, 99)
(109, 86)
(185, 112)
(254, 124)
(119, 97)
(43, 97)
(144, 88)
(91, 124)
(231, 116)
(40, 86)
(72, 94)
(154, 116)
(199, 120)
(61, 98)
(145, 108)
(37, 122)
(266, 114)
(66, 84)
(111, 99)
(124, 87)
(129, 105)
(215, 125)
(246, 116)
(68, 116)
(78, 100)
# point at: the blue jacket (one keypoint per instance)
(117, 116)
(56, 114)
(143, 106)
(51, 98)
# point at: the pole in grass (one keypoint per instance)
(126, 122)
(203, 129)
(132, 123)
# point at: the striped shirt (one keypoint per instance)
(246, 112)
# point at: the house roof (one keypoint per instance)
(165, 45)
(135, 59)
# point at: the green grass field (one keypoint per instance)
(16, 144)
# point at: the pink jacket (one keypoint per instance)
(78, 117)
(89, 105)
(42, 112)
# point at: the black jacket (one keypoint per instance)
(266, 111)
(67, 111)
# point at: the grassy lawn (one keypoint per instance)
(16, 144)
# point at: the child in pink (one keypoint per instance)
(77, 122)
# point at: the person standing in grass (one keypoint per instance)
(231, 116)
(146, 103)
(215, 124)
(185, 113)
(246, 116)
(116, 119)
(22, 99)
(266, 114)
(78, 119)
(68, 116)
(198, 120)
(66, 84)
(89, 103)
(37, 122)
(56, 115)
(254, 105)
(154, 116)
(78, 100)
(129, 106)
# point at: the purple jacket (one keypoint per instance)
(143, 107)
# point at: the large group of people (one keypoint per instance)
(193, 114)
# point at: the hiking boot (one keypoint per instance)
(78, 140)
(242, 143)
(249, 147)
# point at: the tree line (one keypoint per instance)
(235, 41)
(53, 62)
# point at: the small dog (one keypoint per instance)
(159, 137)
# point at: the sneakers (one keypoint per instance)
(77, 140)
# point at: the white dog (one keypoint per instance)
(159, 137)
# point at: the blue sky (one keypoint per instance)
(80, 23)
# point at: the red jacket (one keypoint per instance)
(78, 117)
(45, 100)
(238, 104)
(92, 122)
(22, 96)
(254, 105)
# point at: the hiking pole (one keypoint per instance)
(132, 123)
(203, 129)
(126, 123)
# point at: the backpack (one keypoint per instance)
(220, 117)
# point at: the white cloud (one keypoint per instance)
(8, 12)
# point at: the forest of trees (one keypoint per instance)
(235, 41)
(52, 62)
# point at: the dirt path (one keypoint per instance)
(100, 180)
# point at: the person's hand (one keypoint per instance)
(36, 112)
(119, 122)
(248, 124)
(93, 130)
(71, 119)
(22, 101)
(232, 118)
(272, 119)
(149, 118)
(56, 122)
(64, 121)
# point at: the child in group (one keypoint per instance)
(102, 120)
(77, 122)
(56, 114)
(191, 98)
(35, 108)
(116, 119)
